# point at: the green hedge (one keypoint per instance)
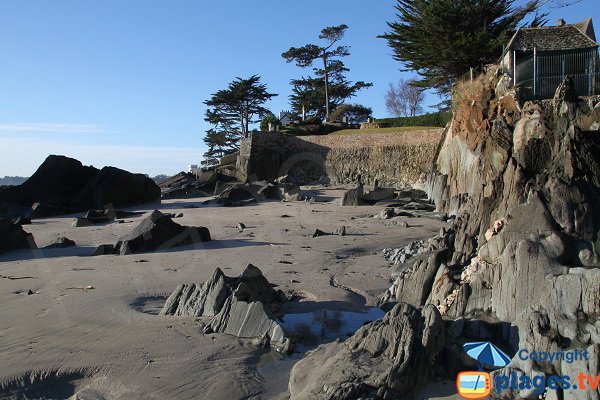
(433, 119)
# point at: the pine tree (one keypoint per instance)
(231, 111)
(320, 95)
(442, 39)
(237, 106)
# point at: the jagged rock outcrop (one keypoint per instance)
(524, 184)
(63, 185)
(387, 359)
(245, 306)
(520, 263)
(156, 232)
(13, 237)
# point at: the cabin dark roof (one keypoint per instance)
(554, 38)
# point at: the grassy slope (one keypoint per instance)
(381, 130)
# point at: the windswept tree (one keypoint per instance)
(404, 100)
(238, 106)
(329, 88)
(231, 111)
(442, 39)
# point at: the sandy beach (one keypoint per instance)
(91, 325)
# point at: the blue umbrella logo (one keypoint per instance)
(486, 353)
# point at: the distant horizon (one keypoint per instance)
(123, 83)
(169, 174)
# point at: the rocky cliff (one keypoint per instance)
(520, 263)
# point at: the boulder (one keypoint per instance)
(159, 232)
(13, 237)
(245, 306)
(155, 232)
(236, 196)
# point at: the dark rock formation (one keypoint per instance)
(63, 185)
(157, 232)
(236, 196)
(60, 243)
(116, 187)
(13, 237)
(187, 185)
(390, 358)
(243, 306)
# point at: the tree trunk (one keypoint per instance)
(242, 125)
(326, 86)
(247, 118)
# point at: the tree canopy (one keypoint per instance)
(442, 39)
(236, 107)
(319, 95)
(231, 111)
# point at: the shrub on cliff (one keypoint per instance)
(433, 119)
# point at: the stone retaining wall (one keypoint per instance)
(401, 158)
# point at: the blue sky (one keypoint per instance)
(121, 82)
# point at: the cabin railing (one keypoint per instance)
(538, 74)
